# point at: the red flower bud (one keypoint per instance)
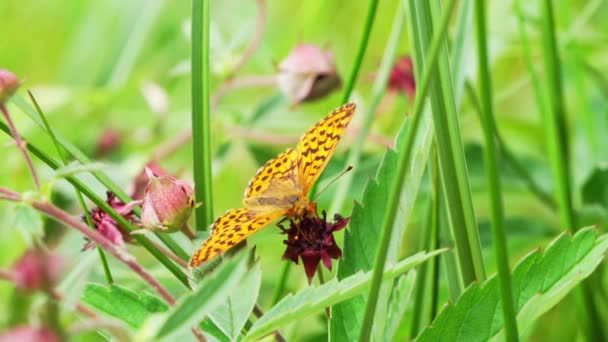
(308, 73)
(36, 269)
(107, 226)
(167, 203)
(8, 85)
(402, 77)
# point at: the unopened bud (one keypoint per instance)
(167, 203)
(308, 73)
(36, 270)
(8, 85)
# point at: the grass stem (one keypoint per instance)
(491, 162)
(201, 114)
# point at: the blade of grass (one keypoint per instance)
(453, 168)
(557, 142)
(491, 166)
(384, 72)
(404, 157)
(75, 153)
(201, 114)
(367, 29)
(142, 240)
(87, 214)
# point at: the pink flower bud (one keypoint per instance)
(29, 334)
(36, 269)
(8, 85)
(108, 142)
(402, 77)
(308, 73)
(167, 203)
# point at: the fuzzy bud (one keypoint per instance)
(8, 85)
(167, 203)
(308, 73)
(36, 270)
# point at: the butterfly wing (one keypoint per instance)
(230, 229)
(318, 145)
(284, 166)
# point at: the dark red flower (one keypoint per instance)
(107, 226)
(402, 77)
(312, 240)
(108, 141)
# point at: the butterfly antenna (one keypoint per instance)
(350, 167)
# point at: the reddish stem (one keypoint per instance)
(20, 144)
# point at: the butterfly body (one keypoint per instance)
(280, 187)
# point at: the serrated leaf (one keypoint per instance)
(126, 305)
(231, 316)
(540, 280)
(315, 299)
(211, 291)
(361, 237)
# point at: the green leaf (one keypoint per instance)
(399, 301)
(74, 168)
(212, 331)
(28, 221)
(539, 282)
(211, 291)
(126, 305)
(361, 237)
(315, 299)
(231, 316)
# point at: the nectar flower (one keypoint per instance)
(8, 85)
(312, 240)
(167, 203)
(402, 77)
(107, 226)
(308, 73)
(140, 183)
(36, 269)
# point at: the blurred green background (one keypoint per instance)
(123, 67)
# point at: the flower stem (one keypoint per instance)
(354, 72)
(142, 240)
(395, 191)
(20, 144)
(557, 141)
(491, 165)
(201, 114)
(87, 214)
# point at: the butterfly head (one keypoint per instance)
(303, 207)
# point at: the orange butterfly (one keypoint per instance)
(279, 188)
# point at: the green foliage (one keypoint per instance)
(124, 304)
(230, 317)
(209, 294)
(540, 281)
(314, 299)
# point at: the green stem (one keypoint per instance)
(64, 159)
(367, 29)
(557, 140)
(278, 292)
(395, 191)
(510, 158)
(201, 114)
(99, 202)
(388, 60)
(491, 165)
(453, 170)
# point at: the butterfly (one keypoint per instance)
(280, 187)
